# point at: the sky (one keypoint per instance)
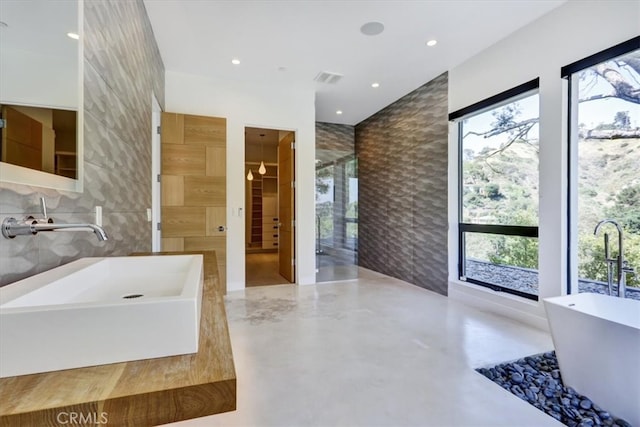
(593, 113)
(482, 123)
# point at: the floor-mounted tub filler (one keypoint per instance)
(597, 342)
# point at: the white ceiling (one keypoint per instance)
(39, 27)
(306, 37)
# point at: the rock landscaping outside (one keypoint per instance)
(526, 279)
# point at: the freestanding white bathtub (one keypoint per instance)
(597, 342)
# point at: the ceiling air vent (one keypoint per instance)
(328, 77)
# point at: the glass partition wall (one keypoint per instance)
(336, 198)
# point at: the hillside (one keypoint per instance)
(502, 188)
(606, 166)
(497, 187)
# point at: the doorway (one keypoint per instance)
(270, 202)
(336, 197)
(336, 219)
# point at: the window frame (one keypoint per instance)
(503, 98)
(567, 72)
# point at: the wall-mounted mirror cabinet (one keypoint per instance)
(41, 93)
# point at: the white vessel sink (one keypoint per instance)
(95, 311)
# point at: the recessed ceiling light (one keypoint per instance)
(372, 28)
(235, 61)
(339, 112)
(73, 36)
(375, 84)
(431, 43)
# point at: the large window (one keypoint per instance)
(605, 165)
(498, 191)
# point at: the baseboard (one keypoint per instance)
(519, 309)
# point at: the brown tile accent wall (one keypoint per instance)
(334, 141)
(122, 67)
(402, 173)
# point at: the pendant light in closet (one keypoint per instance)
(262, 169)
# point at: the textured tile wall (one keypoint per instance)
(334, 141)
(122, 68)
(402, 170)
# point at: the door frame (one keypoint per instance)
(156, 163)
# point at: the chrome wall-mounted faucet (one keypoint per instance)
(622, 265)
(12, 227)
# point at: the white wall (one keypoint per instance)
(569, 33)
(273, 107)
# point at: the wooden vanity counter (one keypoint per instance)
(139, 393)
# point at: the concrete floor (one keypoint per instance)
(333, 265)
(334, 273)
(369, 352)
(261, 269)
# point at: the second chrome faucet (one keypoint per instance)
(623, 267)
